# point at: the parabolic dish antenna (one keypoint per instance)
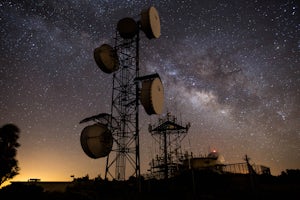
(96, 140)
(152, 96)
(127, 28)
(102, 118)
(150, 23)
(106, 58)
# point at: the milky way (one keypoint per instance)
(230, 68)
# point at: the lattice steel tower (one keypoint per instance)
(125, 110)
(168, 133)
(119, 132)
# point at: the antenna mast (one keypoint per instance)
(122, 125)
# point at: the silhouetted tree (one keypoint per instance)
(9, 134)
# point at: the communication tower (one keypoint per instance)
(168, 133)
(116, 135)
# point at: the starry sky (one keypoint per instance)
(230, 68)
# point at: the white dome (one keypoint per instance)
(216, 155)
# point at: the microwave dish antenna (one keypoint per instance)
(106, 58)
(96, 140)
(150, 23)
(152, 96)
(102, 118)
(127, 28)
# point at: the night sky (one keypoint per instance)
(230, 68)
